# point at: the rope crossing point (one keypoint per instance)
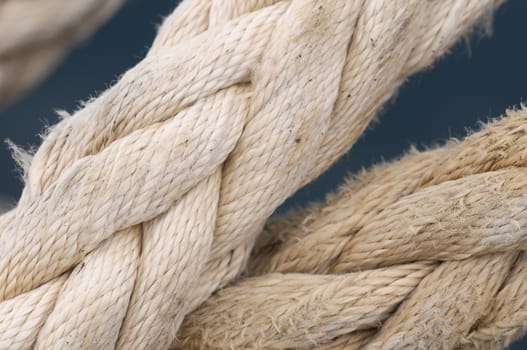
(142, 224)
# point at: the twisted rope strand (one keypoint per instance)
(505, 322)
(277, 311)
(78, 316)
(452, 311)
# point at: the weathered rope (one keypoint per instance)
(34, 35)
(458, 219)
(150, 198)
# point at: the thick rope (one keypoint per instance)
(34, 35)
(457, 274)
(152, 195)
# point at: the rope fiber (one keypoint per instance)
(145, 223)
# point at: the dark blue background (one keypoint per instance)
(473, 83)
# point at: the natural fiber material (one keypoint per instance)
(34, 35)
(451, 266)
(149, 199)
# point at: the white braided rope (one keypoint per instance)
(154, 193)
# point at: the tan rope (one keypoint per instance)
(471, 293)
(394, 208)
(34, 35)
(149, 199)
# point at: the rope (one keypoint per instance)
(150, 198)
(35, 35)
(454, 213)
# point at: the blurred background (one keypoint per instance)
(478, 80)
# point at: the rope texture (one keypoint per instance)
(154, 196)
(35, 35)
